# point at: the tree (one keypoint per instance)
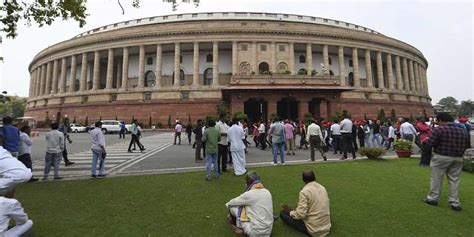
(241, 116)
(381, 115)
(223, 111)
(466, 109)
(12, 106)
(169, 121)
(449, 103)
(86, 122)
(45, 12)
(393, 115)
(150, 122)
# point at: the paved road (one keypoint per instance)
(161, 156)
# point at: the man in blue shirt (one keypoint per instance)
(10, 137)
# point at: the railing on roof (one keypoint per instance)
(228, 16)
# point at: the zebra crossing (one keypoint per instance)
(116, 161)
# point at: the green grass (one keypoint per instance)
(368, 198)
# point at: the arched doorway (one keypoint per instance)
(315, 107)
(351, 79)
(263, 67)
(287, 108)
(182, 78)
(150, 79)
(256, 109)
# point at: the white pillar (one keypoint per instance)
(159, 53)
(110, 70)
(72, 81)
(96, 77)
(291, 51)
(342, 68)
(141, 67)
(309, 59)
(54, 89)
(355, 66)
(398, 72)
(215, 64)
(177, 64)
(380, 70)
(368, 69)
(273, 66)
(125, 68)
(391, 86)
(47, 89)
(234, 58)
(83, 82)
(196, 64)
(326, 58)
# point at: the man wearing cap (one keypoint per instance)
(311, 216)
(251, 213)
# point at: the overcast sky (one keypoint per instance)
(441, 30)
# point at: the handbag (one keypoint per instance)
(104, 154)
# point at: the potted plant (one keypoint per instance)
(372, 153)
(403, 148)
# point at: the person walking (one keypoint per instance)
(336, 137)
(198, 140)
(255, 134)
(303, 132)
(346, 134)
(315, 139)
(10, 136)
(261, 134)
(24, 152)
(354, 135)
(392, 136)
(223, 148)
(361, 133)
(237, 147)
(177, 132)
(64, 128)
(289, 137)
(98, 150)
(54, 150)
(211, 137)
(449, 144)
(123, 130)
(407, 131)
(276, 134)
(376, 137)
(189, 131)
(425, 133)
(135, 137)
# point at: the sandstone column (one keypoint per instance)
(38, 81)
(96, 77)
(43, 79)
(273, 66)
(72, 81)
(309, 59)
(391, 86)
(119, 74)
(177, 68)
(405, 75)
(32, 75)
(398, 71)
(368, 69)
(110, 70)
(141, 67)
(54, 89)
(125, 68)
(234, 58)
(254, 58)
(215, 63)
(47, 88)
(326, 58)
(380, 70)
(291, 51)
(342, 68)
(158, 70)
(412, 75)
(418, 79)
(355, 66)
(63, 75)
(83, 82)
(196, 65)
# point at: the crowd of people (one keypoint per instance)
(441, 140)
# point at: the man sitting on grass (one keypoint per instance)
(10, 209)
(12, 172)
(251, 213)
(311, 216)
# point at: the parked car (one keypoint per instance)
(113, 126)
(77, 128)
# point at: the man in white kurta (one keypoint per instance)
(237, 147)
(12, 172)
(252, 211)
(10, 209)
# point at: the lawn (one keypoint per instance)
(368, 198)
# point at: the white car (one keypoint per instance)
(77, 127)
(113, 126)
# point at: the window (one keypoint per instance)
(180, 16)
(207, 77)
(149, 61)
(180, 59)
(61, 100)
(209, 58)
(302, 59)
(244, 47)
(184, 95)
(209, 14)
(151, 19)
(113, 97)
(325, 20)
(263, 68)
(351, 63)
(150, 79)
(147, 96)
(243, 24)
(331, 73)
(84, 99)
(337, 22)
(281, 24)
(263, 24)
(351, 79)
(263, 47)
(281, 48)
(330, 61)
(313, 18)
(194, 15)
(165, 18)
(225, 14)
(282, 67)
(126, 23)
(182, 78)
(300, 17)
(302, 71)
(244, 68)
(286, 16)
(139, 20)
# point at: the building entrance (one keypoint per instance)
(256, 109)
(287, 108)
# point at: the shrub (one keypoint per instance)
(160, 125)
(402, 145)
(373, 153)
(468, 161)
(169, 121)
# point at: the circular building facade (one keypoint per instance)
(184, 65)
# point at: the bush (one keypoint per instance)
(159, 125)
(402, 145)
(469, 161)
(373, 153)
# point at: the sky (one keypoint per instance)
(441, 30)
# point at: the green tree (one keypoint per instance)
(86, 122)
(45, 12)
(466, 109)
(149, 122)
(12, 106)
(241, 116)
(393, 115)
(307, 117)
(223, 111)
(169, 121)
(449, 102)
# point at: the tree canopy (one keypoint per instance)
(45, 12)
